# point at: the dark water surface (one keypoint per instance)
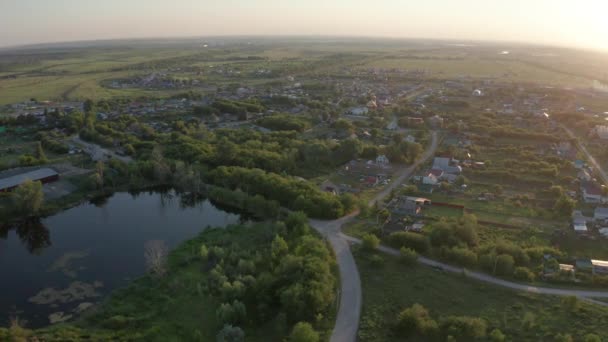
(75, 258)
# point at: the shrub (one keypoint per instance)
(463, 327)
(460, 256)
(523, 273)
(497, 336)
(504, 264)
(417, 242)
(408, 256)
(376, 260)
(303, 332)
(230, 333)
(416, 320)
(370, 242)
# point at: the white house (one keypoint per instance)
(410, 139)
(382, 160)
(359, 111)
(477, 93)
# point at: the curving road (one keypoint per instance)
(349, 310)
(585, 294)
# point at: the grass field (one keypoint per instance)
(392, 287)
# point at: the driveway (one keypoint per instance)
(349, 310)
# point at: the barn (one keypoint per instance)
(44, 175)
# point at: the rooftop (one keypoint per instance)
(13, 181)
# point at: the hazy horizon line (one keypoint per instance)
(318, 36)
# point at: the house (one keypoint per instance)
(430, 179)
(411, 121)
(600, 267)
(382, 160)
(579, 164)
(580, 227)
(441, 163)
(410, 139)
(591, 193)
(477, 93)
(436, 121)
(329, 186)
(359, 111)
(44, 175)
(601, 132)
(600, 214)
(416, 227)
(371, 181)
(410, 208)
(584, 175)
(603, 232)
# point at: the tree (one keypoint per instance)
(278, 248)
(204, 253)
(564, 205)
(370, 242)
(40, 153)
(99, 180)
(504, 264)
(231, 313)
(563, 338)
(155, 254)
(28, 197)
(303, 332)
(230, 333)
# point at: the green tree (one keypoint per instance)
(40, 153)
(370, 242)
(303, 332)
(278, 248)
(28, 197)
(463, 328)
(564, 205)
(204, 253)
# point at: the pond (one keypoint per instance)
(54, 268)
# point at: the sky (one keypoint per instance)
(578, 23)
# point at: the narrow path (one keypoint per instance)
(590, 157)
(349, 310)
(584, 294)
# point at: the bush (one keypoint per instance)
(416, 320)
(376, 260)
(417, 242)
(460, 256)
(497, 336)
(370, 242)
(504, 264)
(230, 334)
(523, 273)
(463, 328)
(408, 256)
(303, 332)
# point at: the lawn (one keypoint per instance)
(390, 288)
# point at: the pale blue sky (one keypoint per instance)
(564, 22)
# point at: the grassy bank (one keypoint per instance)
(259, 266)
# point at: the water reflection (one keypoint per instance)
(32, 233)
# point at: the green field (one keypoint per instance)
(392, 287)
